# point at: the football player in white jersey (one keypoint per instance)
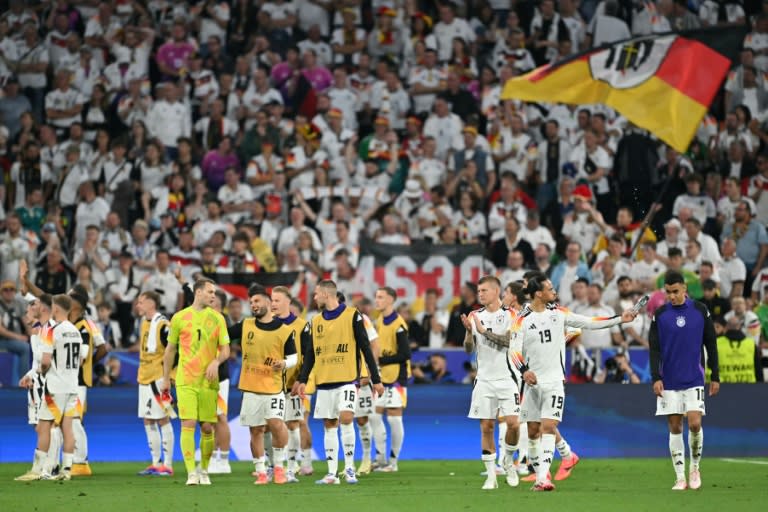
(39, 315)
(365, 404)
(540, 327)
(495, 392)
(63, 353)
(514, 298)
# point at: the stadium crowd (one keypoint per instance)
(144, 142)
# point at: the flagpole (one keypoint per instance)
(652, 211)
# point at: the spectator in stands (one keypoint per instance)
(454, 336)
(717, 305)
(13, 333)
(568, 271)
(751, 240)
(428, 328)
(604, 338)
(12, 106)
(433, 371)
(618, 370)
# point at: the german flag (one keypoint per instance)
(663, 83)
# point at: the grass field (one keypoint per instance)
(423, 486)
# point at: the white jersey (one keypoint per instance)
(543, 338)
(492, 361)
(37, 342)
(65, 346)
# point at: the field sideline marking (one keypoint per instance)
(742, 461)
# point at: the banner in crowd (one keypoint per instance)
(663, 82)
(370, 193)
(236, 284)
(412, 269)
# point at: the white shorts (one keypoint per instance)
(149, 407)
(82, 399)
(222, 402)
(494, 398)
(57, 406)
(294, 408)
(364, 406)
(395, 397)
(680, 401)
(34, 399)
(543, 401)
(257, 409)
(332, 402)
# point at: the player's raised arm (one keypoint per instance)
(364, 345)
(593, 323)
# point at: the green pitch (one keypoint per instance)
(420, 486)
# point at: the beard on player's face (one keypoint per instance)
(259, 312)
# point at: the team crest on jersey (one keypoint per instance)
(628, 64)
(680, 321)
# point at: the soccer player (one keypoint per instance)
(97, 349)
(496, 391)
(153, 338)
(294, 409)
(222, 435)
(197, 333)
(395, 364)
(63, 352)
(678, 330)
(269, 348)
(540, 327)
(306, 435)
(366, 414)
(39, 311)
(338, 338)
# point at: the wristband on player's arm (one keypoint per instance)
(523, 369)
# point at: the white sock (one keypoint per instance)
(306, 457)
(38, 462)
(168, 442)
(260, 464)
(279, 457)
(677, 451)
(379, 436)
(547, 454)
(563, 448)
(348, 440)
(398, 434)
(533, 454)
(331, 445)
(695, 446)
(502, 438)
(81, 442)
(153, 438)
(522, 442)
(54, 449)
(224, 455)
(294, 444)
(66, 461)
(509, 454)
(489, 459)
(268, 447)
(365, 439)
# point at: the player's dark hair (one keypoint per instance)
(63, 301)
(517, 290)
(673, 277)
(535, 284)
(389, 291)
(490, 279)
(153, 296)
(200, 283)
(257, 289)
(297, 304)
(46, 299)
